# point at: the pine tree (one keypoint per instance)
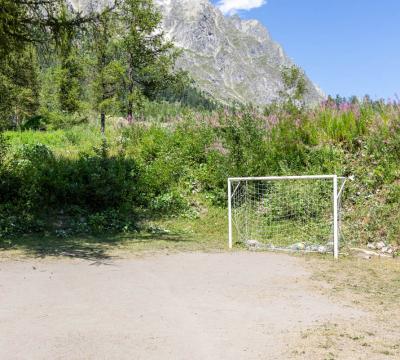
(19, 86)
(108, 71)
(148, 58)
(70, 71)
(295, 87)
(24, 25)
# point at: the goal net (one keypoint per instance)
(292, 213)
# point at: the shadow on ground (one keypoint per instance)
(83, 247)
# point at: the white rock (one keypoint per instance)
(252, 243)
(371, 246)
(380, 245)
(299, 246)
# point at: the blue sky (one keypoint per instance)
(347, 47)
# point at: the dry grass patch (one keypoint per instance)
(373, 286)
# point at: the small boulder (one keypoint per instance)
(379, 245)
(329, 246)
(371, 246)
(299, 246)
(315, 247)
(252, 243)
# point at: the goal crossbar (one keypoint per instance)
(300, 177)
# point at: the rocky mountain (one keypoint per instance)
(85, 6)
(229, 58)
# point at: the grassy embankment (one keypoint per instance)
(162, 183)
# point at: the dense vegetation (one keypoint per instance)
(72, 181)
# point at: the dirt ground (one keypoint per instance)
(184, 306)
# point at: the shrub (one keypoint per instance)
(58, 120)
(38, 183)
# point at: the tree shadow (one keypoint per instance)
(90, 194)
(86, 247)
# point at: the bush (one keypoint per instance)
(37, 122)
(38, 183)
(52, 120)
(168, 203)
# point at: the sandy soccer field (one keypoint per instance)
(184, 306)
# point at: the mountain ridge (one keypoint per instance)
(229, 58)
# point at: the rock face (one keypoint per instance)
(85, 6)
(229, 58)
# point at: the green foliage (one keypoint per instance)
(168, 203)
(107, 67)
(14, 28)
(3, 148)
(37, 183)
(19, 87)
(294, 82)
(56, 64)
(295, 88)
(181, 91)
(147, 57)
(104, 222)
(30, 31)
(70, 78)
(70, 73)
(59, 174)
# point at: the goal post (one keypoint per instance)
(289, 213)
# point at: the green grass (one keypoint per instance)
(68, 143)
(208, 232)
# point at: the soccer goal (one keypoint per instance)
(289, 213)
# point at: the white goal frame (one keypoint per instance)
(336, 193)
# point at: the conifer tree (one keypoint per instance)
(295, 88)
(148, 58)
(19, 86)
(108, 71)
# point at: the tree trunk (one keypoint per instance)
(103, 122)
(130, 112)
